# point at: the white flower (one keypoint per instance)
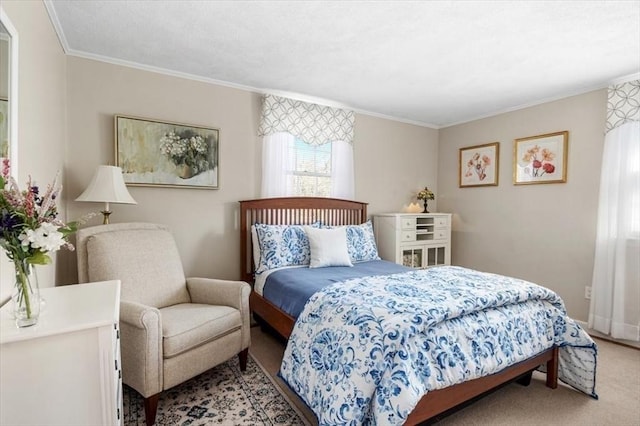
(24, 238)
(46, 238)
(190, 150)
(198, 144)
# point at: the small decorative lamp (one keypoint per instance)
(425, 195)
(107, 186)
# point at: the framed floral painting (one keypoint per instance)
(540, 159)
(478, 165)
(162, 153)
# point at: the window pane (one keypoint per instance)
(323, 162)
(324, 187)
(312, 186)
(305, 161)
(312, 169)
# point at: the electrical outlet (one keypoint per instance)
(587, 292)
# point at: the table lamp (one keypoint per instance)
(107, 186)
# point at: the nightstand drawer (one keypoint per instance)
(440, 234)
(407, 236)
(442, 221)
(408, 223)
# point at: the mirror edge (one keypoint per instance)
(13, 92)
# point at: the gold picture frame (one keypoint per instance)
(479, 165)
(541, 159)
(167, 154)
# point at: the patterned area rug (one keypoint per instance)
(223, 395)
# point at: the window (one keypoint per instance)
(307, 149)
(312, 169)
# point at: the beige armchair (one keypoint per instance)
(172, 328)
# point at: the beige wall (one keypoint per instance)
(392, 159)
(542, 233)
(204, 221)
(42, 109)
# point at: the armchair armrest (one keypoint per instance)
(141, 349)
(139, 315)
(226, 293)
(219, 292)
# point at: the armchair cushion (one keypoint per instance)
(188, 325)
(142, 259)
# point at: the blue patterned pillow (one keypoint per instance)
(361, 242)
(282, 245)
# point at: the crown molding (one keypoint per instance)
(53, 16)
(262, 91)
(558, 97)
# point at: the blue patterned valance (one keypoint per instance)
(314, 124)
(623, 104)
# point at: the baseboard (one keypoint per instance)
(594, 333)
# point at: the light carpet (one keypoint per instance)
(223, 395)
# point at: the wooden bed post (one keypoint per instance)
(552, 370)
(244, 235)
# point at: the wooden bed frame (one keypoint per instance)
(331, 211)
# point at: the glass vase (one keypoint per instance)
(26, 295)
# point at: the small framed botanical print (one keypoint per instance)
(540, 159)
(478, 165)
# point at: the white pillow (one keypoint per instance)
(328, 247)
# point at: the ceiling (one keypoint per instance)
(435, 63)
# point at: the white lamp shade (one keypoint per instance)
(107, 186)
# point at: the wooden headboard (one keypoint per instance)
(292, 211)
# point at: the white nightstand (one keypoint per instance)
(418, 240)
(65, 370)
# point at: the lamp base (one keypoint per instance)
(106, 214)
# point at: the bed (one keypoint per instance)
(327, 212)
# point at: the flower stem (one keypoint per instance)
(23, 285)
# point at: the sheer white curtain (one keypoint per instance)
(342, 175)
(277, 164)
(615, 296)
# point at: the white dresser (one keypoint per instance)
(418, 240)
(65, 370)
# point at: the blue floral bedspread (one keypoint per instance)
(364, 351)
